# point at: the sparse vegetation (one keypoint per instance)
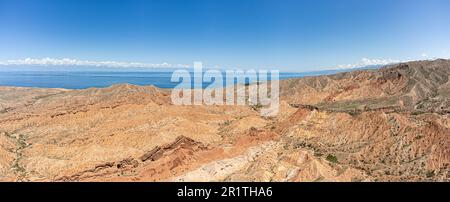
(430, 174)
(318, 154)
(332, 158)
(226, 123)
(257, 106)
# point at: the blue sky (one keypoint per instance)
(289, 35)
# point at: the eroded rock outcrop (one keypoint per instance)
(389, 124)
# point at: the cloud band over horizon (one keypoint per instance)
(364, 62)
(75, 62)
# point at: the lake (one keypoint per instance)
(87, 79)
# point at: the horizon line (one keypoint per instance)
(73, 63)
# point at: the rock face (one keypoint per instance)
(389, 124)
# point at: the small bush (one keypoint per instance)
(318, 154)
(257, 107)
(332, 158)
(430, 174)
(226, 123)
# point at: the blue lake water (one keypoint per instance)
(81, 80)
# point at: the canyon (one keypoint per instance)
(386, 124)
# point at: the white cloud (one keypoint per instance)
(74, 62)
(424, 55)
(368, 62)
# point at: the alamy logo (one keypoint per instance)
(239, 87)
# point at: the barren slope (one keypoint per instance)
(389, 124)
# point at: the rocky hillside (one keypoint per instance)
(415, 86)
(389, 124)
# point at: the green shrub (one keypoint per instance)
(332, 158)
